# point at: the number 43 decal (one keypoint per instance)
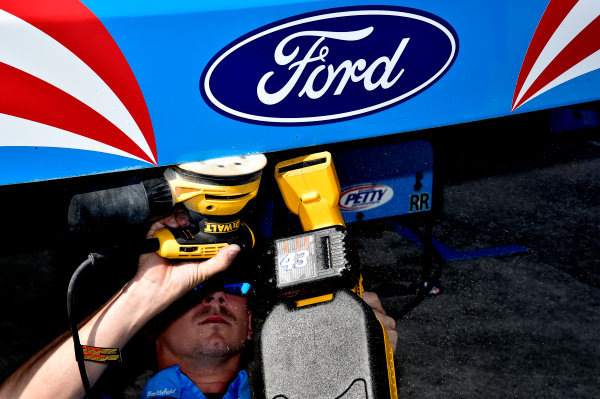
(295, 260)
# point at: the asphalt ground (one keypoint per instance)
(510, 324)
(514, 325)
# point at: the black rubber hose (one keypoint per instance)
(73, 324)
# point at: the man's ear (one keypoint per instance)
(250, 330)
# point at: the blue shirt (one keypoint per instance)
(172, 383)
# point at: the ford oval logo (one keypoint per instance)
(329, 65)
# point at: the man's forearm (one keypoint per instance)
(53, 372)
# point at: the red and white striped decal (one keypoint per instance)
(565, 45)
(65, 83)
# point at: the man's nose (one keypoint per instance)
(219, 297)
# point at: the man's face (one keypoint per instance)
(218, 326)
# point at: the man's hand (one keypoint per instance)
(171, 279)
(388, 323)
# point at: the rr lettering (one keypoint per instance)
(419, 202)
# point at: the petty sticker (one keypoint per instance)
(365, 196)
(329, 65)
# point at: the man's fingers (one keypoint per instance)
(181, 218)
(386, 321)
(390, 327)
(229, 253)
(373, 301)
(393, 336)
(215, 265)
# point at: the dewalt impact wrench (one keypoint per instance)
(214, 192)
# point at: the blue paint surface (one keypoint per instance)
(168, 46)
